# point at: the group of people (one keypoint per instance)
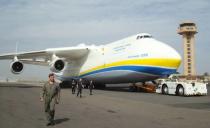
(79, 85)
(51, 95)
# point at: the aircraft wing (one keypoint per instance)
(43, 57)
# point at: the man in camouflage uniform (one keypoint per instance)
(79, 87)
(91, 86)
(51, 96)
(73, 86)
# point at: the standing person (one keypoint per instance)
(79, 88)
(73, 86)
(50, 96)
(91, 86)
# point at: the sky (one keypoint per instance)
(41, 24)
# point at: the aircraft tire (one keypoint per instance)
(99, 85)
(133, 88)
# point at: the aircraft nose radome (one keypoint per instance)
(174, 54)
(177, 58)
(168, 52)
(171, 54)
(167, 55)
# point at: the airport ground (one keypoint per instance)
(113, 108)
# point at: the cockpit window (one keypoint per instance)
(139, 37)
(143, 36)
(147, 36)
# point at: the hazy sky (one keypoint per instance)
(41, 24)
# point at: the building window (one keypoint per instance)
(188, 45)
(189, 72)
(189, 64)
(189, 56)
(188, 49)
(189, 60)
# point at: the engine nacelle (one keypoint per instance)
(57, 65)
(16, 67)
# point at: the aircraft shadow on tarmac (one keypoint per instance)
(120, 89)
(20, 86)
(193, 105)
(59, 121)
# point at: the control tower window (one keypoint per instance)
(187, 24)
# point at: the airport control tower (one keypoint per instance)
(188, 31)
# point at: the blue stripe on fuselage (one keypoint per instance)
(142, 69)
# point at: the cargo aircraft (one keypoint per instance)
(137, 58)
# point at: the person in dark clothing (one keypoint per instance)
(79, 87)
(91, 86)
(73, 86)
(51, 96)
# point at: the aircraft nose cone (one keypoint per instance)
(172, 57)
(167, 56)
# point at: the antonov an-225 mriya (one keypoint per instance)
(137, 58)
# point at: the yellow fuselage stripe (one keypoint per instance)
(168, 63)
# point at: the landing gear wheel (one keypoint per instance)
(99, 85)
(133, 88)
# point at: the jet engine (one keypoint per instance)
(16, 67)
(57, 65)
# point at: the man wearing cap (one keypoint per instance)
(51, 96)
(79, 88)
(73, 86)
(91, 86)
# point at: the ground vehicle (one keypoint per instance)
(181, 88)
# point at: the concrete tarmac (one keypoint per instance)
(20, 107)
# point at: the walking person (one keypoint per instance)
(91, 86)
(51, 96)
(79, 88)
(73, 86)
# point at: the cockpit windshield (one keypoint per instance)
(147, 36)
(143, 36)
